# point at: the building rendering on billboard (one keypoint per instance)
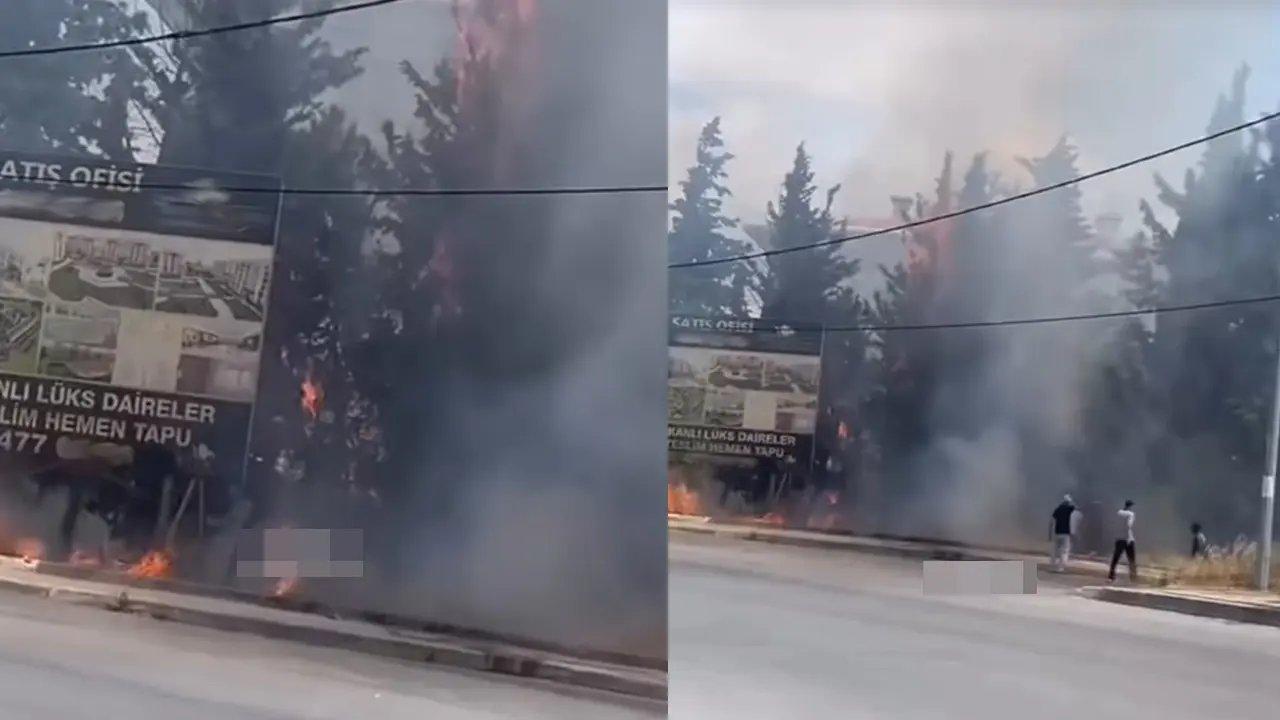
(132, 305)
(742, 388)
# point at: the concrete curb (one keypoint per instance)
(304, 605)
(1201, 607)
(917, 550)
(644, 684)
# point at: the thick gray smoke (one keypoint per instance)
(520, 488)
(1006, 431)
(547, 427)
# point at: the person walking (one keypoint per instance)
(1062, 527)
(1124, 543)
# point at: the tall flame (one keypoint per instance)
(441, 270)
(312, 397)
(483, 27)
(683, 501)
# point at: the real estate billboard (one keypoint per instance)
(132, 306)
(744, 388)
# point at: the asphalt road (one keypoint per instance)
(762, 631)
(68, 662)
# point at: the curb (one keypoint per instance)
(938, 553)
(503, 661)
(313, 607)
(1219, 610)
(851, 543)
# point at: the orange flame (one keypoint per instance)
(29, 549)
(441, 269)
(312, 397)
(828, 518)
(155, 565)
(285, 587)
(482, 30)
(683, 501)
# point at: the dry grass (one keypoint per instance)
(1223, 568)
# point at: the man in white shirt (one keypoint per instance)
(1124, 542)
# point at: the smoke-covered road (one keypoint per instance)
(767, 632)
(68, 662)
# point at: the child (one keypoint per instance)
(1198, 541)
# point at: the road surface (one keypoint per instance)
(68, 662)
(762, 631)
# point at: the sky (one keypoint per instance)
(421, 31)
(879, 91)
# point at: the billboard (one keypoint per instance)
(132, 306)
(744, 388)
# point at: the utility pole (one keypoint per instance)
(1269, 485)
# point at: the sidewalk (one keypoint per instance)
(222, 613)
(918, 549)
(1243, 606)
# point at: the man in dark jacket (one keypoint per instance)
(1062, 528)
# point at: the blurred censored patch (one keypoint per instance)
(300, 553)
(980, 577)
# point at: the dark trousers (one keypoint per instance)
(1126, 548)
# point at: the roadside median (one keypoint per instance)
(221, 610)
(896, 547)
(1256, 608)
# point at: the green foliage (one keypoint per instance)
(69, 103)
(811, 285)
(697, 235)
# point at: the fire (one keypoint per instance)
(828, 517)
(312, 397)
(683, 501)
(485, 29)
(285, 587)
(155, 565)
(29, 549)
(441, 269)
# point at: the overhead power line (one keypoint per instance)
(396, 192)
(984, 206)
(188, 34)
(779, 327)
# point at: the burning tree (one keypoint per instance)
(247, 102)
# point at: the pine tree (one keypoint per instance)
(1048, 231)
(1212, 370)
(697, 235)
(809, 285)
(967, 282)
(906, 362)
(233, 101)
(253, 102)
(73, 103)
